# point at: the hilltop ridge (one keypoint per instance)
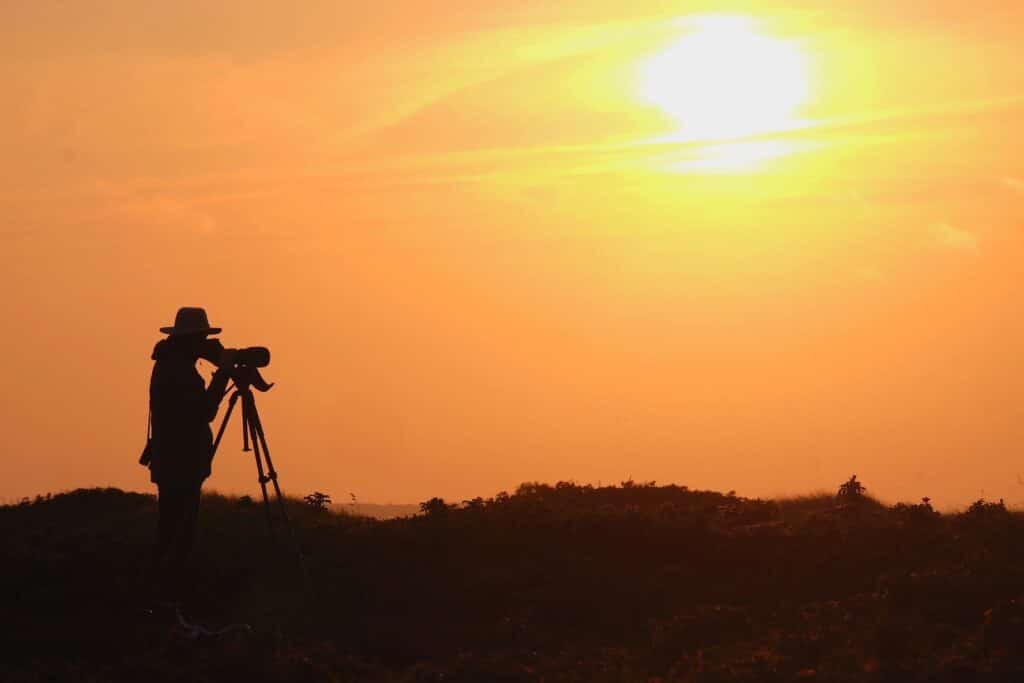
(566, 582)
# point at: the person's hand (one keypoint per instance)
(210, 350)
(227, 358)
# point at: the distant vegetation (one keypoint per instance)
(318, 501)
(376, 510)
(635, 582)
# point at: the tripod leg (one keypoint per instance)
(249, 430)
(258, 437)
(224, 423)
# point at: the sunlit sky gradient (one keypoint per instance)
(483, 253)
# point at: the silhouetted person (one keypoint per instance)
(181, 445)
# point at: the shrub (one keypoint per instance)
(434, 506)
(852, 489)
(982, 510)
(916, 513)
(318, 501)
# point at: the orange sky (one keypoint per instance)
(481, 257)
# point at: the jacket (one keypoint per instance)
(182, 408)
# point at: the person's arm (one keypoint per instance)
(215, 393)
(182, 398)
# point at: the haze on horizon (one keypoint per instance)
(486, 245)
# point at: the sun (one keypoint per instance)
(724, 79)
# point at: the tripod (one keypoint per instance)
(245, 379)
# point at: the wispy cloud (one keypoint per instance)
(952, 237)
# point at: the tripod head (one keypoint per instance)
(245, 376)
(242, 365)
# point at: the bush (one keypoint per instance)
(916, 513)
(434, 506)
(318, 501)
(852, 490)
(981, 510)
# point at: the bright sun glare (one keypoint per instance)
(724, 79)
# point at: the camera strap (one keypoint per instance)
(147, 453)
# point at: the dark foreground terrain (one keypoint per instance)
(628, 583)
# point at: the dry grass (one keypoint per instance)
(565, 582)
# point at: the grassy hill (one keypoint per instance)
(628, 583)
(376, 510)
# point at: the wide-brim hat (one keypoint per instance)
(190, 320)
